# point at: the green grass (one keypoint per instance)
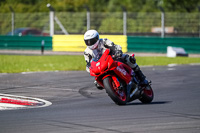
(16, 64)
(19, 63)
(161, 61)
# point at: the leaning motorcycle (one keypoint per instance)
(119, 80)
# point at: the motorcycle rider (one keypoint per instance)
(96, 47)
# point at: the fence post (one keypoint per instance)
(13, 19)
(162, 22)
(124, 20)
(88, 16)
(199, 20)
(51, 19)
(88, 20)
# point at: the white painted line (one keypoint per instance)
(39, 72)
(194, 64)
(147, 66)
(172, 65)
(170, 69)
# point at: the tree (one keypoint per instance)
(181, 5)
(100, 5)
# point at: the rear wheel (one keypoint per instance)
(116, 94)
(147, 95)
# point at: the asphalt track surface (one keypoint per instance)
(78, 107)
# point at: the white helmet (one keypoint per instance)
(91, 38)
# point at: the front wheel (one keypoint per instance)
(116, 94)
(147, 95)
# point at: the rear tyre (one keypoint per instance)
(117, 95)
(147, 95)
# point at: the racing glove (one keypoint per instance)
(118, 54)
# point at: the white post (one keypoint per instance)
(51, 18)
(199, 20)
(163, 24)
(88, 16)
(124, 20)
(12, 19)
(13, 23)
(199, 25)
(88, 20)
(124, 23)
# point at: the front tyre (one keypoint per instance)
(116, 94)
(147, 95)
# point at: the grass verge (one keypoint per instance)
(20, 63)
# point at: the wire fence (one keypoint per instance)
(176, 24)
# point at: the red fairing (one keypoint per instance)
(124, 72)
(102, 65)
(105, 65)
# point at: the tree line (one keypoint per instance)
(24, 6)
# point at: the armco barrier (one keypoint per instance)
(159, 45)
(25, 42)
(76, 42)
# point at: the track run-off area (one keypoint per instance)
(74, 105)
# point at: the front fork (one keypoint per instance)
(133, 89)
(116, 81)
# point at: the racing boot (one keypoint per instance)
(140, 75)
(131, 61)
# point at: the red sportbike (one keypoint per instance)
(119, 80)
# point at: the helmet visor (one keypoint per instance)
(94, 46)
(91, 41)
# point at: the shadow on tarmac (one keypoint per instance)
(152, 103)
